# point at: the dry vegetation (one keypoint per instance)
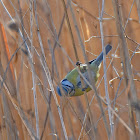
(41, 41)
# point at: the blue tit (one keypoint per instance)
(71, 84)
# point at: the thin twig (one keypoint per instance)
(89, 72)
(104, 65)
(126, 63)
(49, 77)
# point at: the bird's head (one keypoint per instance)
(67, 87)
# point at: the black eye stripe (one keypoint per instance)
(64, 80)
(68, 89)
(67, 85)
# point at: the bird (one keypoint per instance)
(72, 85)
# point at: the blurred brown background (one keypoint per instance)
(28, 106)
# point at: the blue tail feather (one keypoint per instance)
(99, 59)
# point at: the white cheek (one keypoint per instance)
(99, 66)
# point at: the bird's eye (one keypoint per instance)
(68, 87)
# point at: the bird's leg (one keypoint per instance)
(78, 63)
(83, 89)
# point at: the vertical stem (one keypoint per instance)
(70, 30)
(33, 73)
(128, 75)
(138, 8)
(89, 72)
(104, 65)
(47, 72)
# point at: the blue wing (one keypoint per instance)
(79, 84)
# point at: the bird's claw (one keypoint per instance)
(78, 63)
